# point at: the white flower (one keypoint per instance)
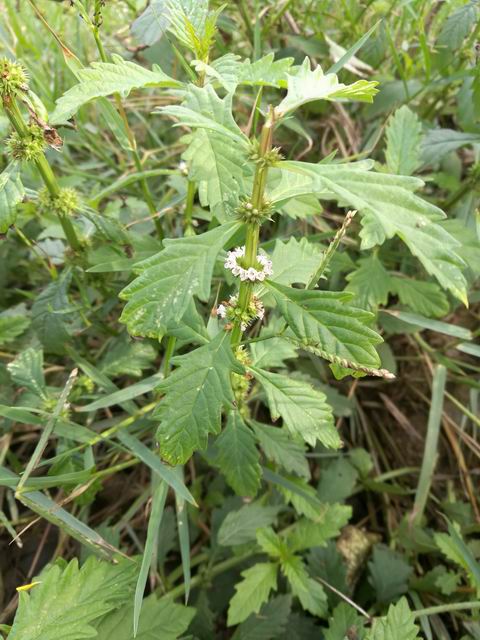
(221, 311)
(251, 273)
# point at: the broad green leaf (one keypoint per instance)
(399, 624)
(152, 23)
(266, 72)
(271, 543)
(338, 479)
(195, 394)
(369, 283)
(310, 592)
(190, 20)
(13, 323)
(424, 298)
(52, 314)
(163, 290)
(280, 448)
(389, 573)
(160, 618)
(302, 496)
(271, 352)
(308, 85)
(68, 600)
(203, 109)
(241, 526)
(457, 26)
(437, 143)
(453, 546)
(218, 165)
(12, 193)
(224, 70)
(344, 623)
(27, 371)
(252, 591)
(403, 134)
(304, 410)
(238, 457)
(389, 207)
(324, 324)
(269, 623)
(309, 533)
(104, 79)
(295, 261)
(128, 357)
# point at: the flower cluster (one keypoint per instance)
(64, 204)
(234, 260)
(29, 147)
(248, 213)
(231, 311)
(13, 78)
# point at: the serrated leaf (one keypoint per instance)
(324, 324)
(457, 26)
(279, 447)
(52, 314)
(195, 394)
(389, 207)
(308, 85)
(397, 625)
(453, 546)
(266, 71)
(241, 526)
(238, 457)
(203, 109)
(218, 166)
(269, 623)
(295, 261)
(344, 623)
(389, 573)
(437, 143)
(304, 409)
(252, 591)
(369, 283)
(271, 543)
(150, 25)
(13, 323)
(105, 78)
(12, 193)
(310, 592)
(403, 134)
(67, 601)
(27, 371)
(162, 292)
(128, 357)
(425, 298)
(159, 619)
(308, 533)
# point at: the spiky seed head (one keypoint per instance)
(27, 148)
(64, 204)
(13, 78)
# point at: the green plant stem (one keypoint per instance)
(447, 608)
(253, 229)
(191, 190)
(15, 116)
(168, 355)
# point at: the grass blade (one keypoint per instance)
(184, 537)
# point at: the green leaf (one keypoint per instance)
(271, 352)
(295, 261)
(52, 314)
(241, 526)
(203, 109)
(453, 547)
(271, 543)
(308, 85)
(389, 573)
(337, 481)
(104, 79)
(369, 283)
(252, 591)
(128, 357)
(68, 600)
(310, 592)
(13, 323)
(27, 371)
(280, 448)
(218, 165)
(238, 457)
(266, 72)
(345, 623)
(403, 134)
(12, 193)
(437, 143)
(389, 207)
(163, 290)
(397, 625)
(328, 523)
(269, 623)
(457, 26)
(194, 396)
(424, 298)
(304, 410)
(160, 618)
(324, 324)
